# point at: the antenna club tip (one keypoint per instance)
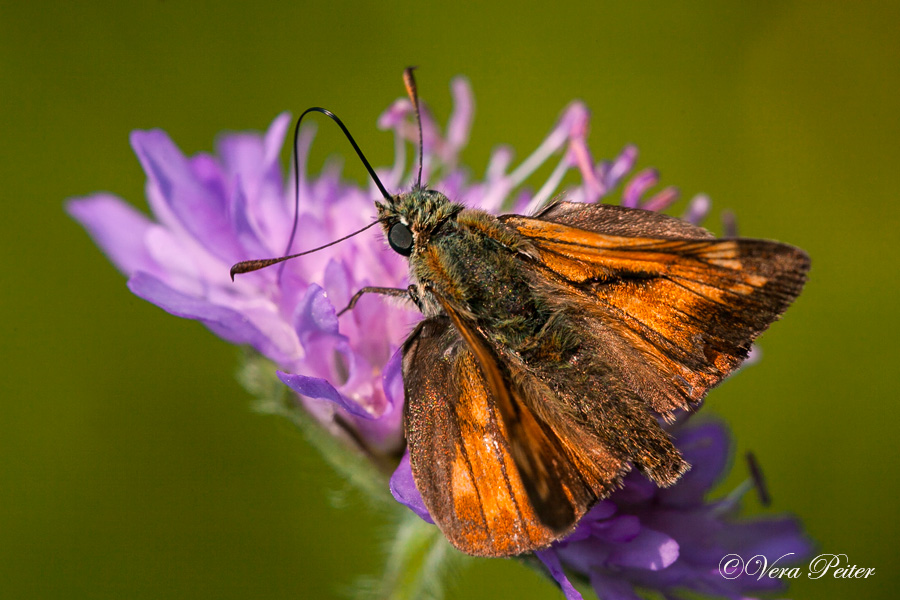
(244, 267)
(409, 81)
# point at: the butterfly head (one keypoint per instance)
(409, 219)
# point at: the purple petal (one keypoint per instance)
(637, 489)
(336, 282)
(602, 510)
(620, 167)
(639, 184)
(618, 530)
(274, 138)
(117, 228)
(706, 447)
(201, 211)
(252, 167)
(244, 229)
(662, 200)
(315, 314)
(580, 155)
(551, 561)
(460, 122)
(404, 490)
(499, 163)
(250, 153)
(316, 387)
(386, 430)
(650, 550)
(609, 588)
(577, 119)
(598, 513)
(697, 209)
(224, 322)
(395, 114)
(392, 380)
(771, 537)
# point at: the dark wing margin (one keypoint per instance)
(494, 478)
(619, 220)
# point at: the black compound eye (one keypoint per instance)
(400, 238)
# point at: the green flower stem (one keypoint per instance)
(419, 559)
(257, 375)
(418, 556)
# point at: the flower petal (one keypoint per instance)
(198, 208)
(706, 447)
(618, 530)
(392, 379)
(662, 200)
(224, 322)
(772, 537)
(404, 490)
(610, 588)
(551, 561)
(316, 387)
(648, 550)
(697, 209)
(117, 228)
(620, 167)
(315, 314)
(460, 122)
(639, 184)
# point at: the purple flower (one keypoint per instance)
(670, 540)
(211, 211)
(674, 539)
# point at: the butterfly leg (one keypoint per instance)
(407, 294)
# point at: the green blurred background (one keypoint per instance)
(131, 465)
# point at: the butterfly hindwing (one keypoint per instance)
(493, 476)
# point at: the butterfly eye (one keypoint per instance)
(400, 238)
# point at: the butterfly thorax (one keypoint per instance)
(474, 262)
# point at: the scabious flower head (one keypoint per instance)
(674, 539)
(211, 211)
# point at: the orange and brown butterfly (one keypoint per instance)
(552, 344)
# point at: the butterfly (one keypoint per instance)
(552, 344)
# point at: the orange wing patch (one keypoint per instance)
(459, 449)
(486, 486)
(691, 307)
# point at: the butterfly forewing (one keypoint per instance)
(671, 314)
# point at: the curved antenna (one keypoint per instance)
(256, 264)
(247, 266)
(359, 153)
(413, 94)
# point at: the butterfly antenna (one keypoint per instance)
(353, 143)
(253, 265)
(261, 263)
(413, 93)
